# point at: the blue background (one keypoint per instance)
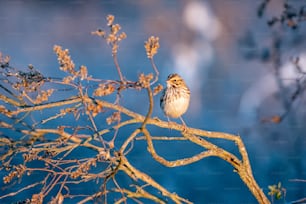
(219, 47)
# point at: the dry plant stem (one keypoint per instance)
(129, 140)
(300, 201)
(242, 167)
(89, 114)
(127, 167)
(141, 194)
(65, 135)
(119, 189)
(165, 138)
(176, 163)
(92, 197)
(52, 184)
(22, 189)
(47, 105)
(118, 67)
(136, 174)
(155, 70)
(10, 101)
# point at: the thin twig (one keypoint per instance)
(155, 69)
(22, 189)
(118, 67)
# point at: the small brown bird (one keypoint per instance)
(175, 98)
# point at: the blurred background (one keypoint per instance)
(237, 62)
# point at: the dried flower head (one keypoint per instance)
(277, 191)
(115, 117)
(157, 89)
(64, 59)
(110, 20)
(115, 29)
(68, 79)
(104, 89)
(83, 168)
(94, 107)
(30, 156)
(111, 38)
(99, 32)
(29, 81)
(83, 72)
(144, 80)
(114, 37)
(4, 61)
(43, 96)
(18, 171)
(37, 198)
(122, 36)
(151, 46)
(276, 119)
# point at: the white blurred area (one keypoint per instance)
(199, 17)
(192, 59)
(267, 86)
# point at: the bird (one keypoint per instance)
(175, 97)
